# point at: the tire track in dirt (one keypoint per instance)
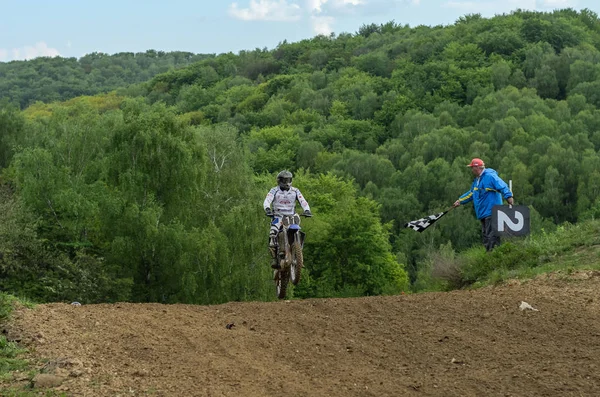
(460, 343)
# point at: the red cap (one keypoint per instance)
(476, 163)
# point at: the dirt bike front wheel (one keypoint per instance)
(282, 278)
(297, 263)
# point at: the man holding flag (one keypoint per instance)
(486, 191)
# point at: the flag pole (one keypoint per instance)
(510, 188)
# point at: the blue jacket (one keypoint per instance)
(486, 191)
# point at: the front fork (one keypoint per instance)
(285, 254)
(298, 238)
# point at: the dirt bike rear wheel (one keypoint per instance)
(282, 277)
(297, 263)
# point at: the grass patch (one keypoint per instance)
(10, 358)
(9, 351)
(31, 393)
(570, 248)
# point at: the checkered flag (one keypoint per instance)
(421, 224)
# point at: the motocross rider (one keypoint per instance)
(283, 197)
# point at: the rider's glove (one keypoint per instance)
(268, 212)
(307, 213)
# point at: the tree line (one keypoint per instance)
(49, 79)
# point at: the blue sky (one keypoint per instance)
(72, 28)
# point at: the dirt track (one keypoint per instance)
(463, 343)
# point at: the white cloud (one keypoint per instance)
(416, 2)
(522, 4)
(511, 5)
(316, 5)
(40, 49)
(493, 7)
(352, 2)
(322, 10)
(467, 5)
(559, 3)
(322, 25)
(266, 10)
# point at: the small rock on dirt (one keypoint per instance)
(47, 380)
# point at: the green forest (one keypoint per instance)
(141, 177)
(48, 79)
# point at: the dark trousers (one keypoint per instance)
(490, 240)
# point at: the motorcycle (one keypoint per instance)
(290, 241)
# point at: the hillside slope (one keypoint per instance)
(467, 343)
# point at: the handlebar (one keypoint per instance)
(272, 215)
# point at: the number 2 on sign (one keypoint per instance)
(504, 219)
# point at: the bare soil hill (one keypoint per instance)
(462, 343)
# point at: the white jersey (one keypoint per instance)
(284, 201)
